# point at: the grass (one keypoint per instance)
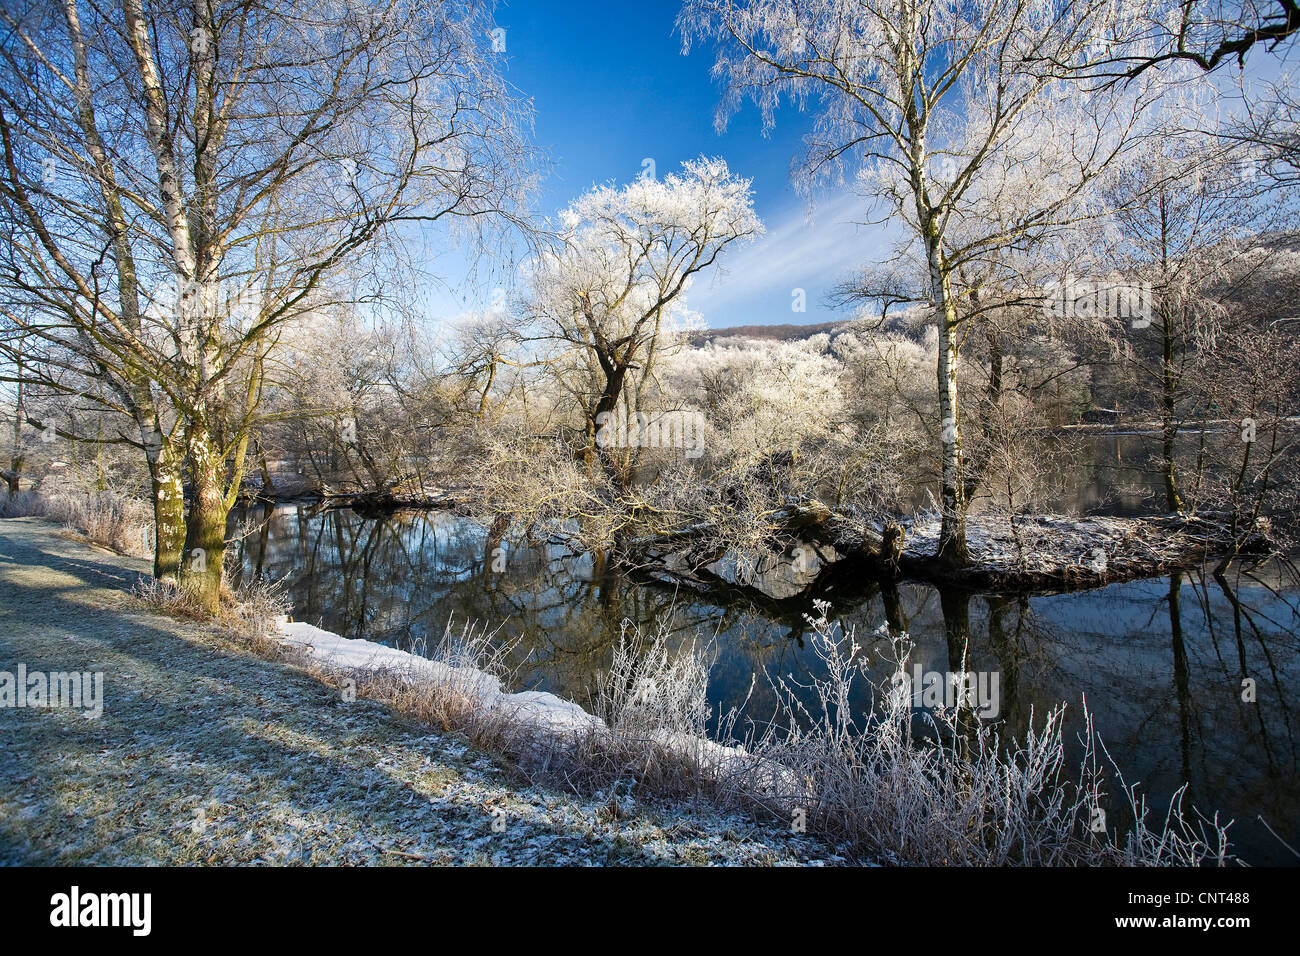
(877, 788)
(954, 791)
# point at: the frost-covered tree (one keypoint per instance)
(1184, 223)
(1208, 34)
(360, 405)
(612, 289)
(182, 178)
(947, 114)
(1268, 132)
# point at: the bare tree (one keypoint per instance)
(185, 178)
(1245, 457)
(1268, 135)
(953, 125)
(1184, 225)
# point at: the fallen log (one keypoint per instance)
(1036, 552)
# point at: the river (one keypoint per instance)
(1161, 661)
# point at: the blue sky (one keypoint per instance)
(611, 89)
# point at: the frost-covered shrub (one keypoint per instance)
(955, 791)
(22, 505)
(651, 690)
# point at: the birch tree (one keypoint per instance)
(944, 111)
(184, 177)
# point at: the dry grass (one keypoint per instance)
(117, 521)
(164, 597)
(956, 792)
(457, 698)
(650, 706)
(651, 729)
(253, 611)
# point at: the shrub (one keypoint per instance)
(959, 793)
(22, 505)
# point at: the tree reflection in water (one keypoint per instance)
(1161, 661)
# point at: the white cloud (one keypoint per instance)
(798, 251)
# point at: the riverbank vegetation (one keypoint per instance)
(112, 519)
(947, 790)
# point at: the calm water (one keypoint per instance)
(1160, 661)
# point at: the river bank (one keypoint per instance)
(270, 737)
(206, 754)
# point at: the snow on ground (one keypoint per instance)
(531, 707)
(1063, 549)
(207, 755)
(555, 719)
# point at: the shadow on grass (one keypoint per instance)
(190, 726)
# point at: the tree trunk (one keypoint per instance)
(1168, 372)
(205, 531)
(13, 476)
(168, 494)
(487, 389)
(1168, 417)
(952, 532)
(607, 407)
(268, 483)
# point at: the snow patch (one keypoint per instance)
(534, 708)
(537, 710)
